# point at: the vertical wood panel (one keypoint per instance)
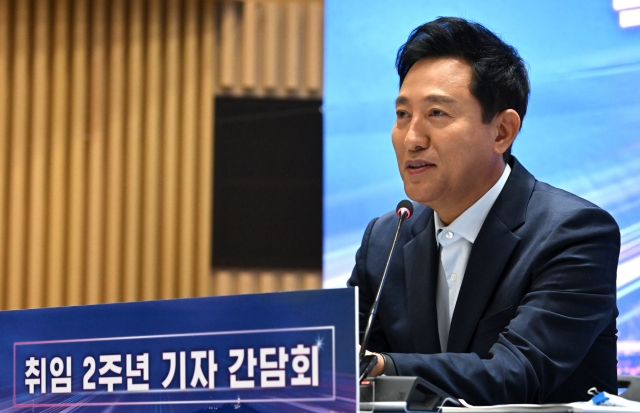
(243, 280)
(152, 153)
(115, 153)
(134, 135)
(35, 274)
(271, 41)
(292, 46)
(311, 281)
(229, 40)
(249, 44)
(171, 151)
(188, 144)
(95, 157)
(58, 156)
(314, 50)
(5, 95)
(19, 156)
(77, 147)
(205, 150)
(246, 282)
(224, 283)
(279, 52)
(290, 281)
(268, 282)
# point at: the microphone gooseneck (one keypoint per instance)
(404, 210)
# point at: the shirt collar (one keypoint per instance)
(468, 224)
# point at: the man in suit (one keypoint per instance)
(502, 289)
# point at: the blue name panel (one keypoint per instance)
(286, 352)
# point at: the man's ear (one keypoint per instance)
(507, 127)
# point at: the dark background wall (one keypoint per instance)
(267, 183)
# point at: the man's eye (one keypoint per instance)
(437, 112)
(401, 114)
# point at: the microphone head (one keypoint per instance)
(404, 210)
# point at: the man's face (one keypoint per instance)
(445, 152)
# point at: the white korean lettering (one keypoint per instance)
(183, 370)
(109, 365)
(264, 363)
(87, 384)
(171, 356)
(33, 369)
(301, 365)
(60, 385)
(252, 362)
(272, 373)
(142, 369)
(213, 368)
(198, 375)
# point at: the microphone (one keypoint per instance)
(412, 393)
(404, 210)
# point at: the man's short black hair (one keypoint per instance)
(499, 80)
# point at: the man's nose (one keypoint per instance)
(417, 137)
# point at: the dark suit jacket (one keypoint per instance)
(535, 318)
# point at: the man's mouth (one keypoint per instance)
(416, 167)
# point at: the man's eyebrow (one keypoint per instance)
(401, 100)
(439, 99)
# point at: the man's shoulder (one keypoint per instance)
(560, 201)
(545, 203)
(554, 209)
(550, 193)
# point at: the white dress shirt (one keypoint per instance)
(455, 241)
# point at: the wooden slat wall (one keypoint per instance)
(271, 48)
(57, 172)
(106, 140)
(76, 205)
(249, 280)
(5, 99)
(36, 231)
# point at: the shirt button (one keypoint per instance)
(454, 276)
(449, 234)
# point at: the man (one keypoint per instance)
(502, 289)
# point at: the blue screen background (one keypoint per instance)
(581, 132)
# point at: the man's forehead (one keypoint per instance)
(436, 80)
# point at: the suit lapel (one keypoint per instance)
(421, 270)
(490, 254)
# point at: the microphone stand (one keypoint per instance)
(403, 213)
(408, 393)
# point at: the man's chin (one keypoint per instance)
(418, 197)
